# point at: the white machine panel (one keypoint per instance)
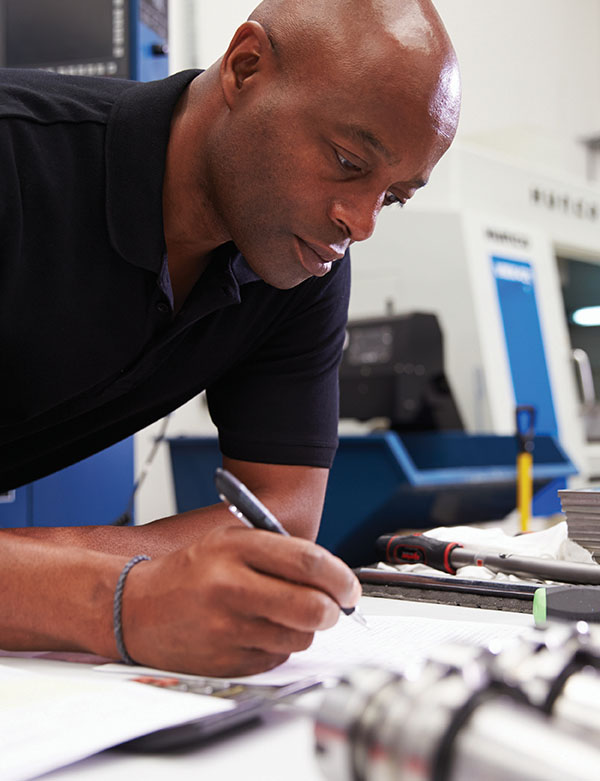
(437, 256)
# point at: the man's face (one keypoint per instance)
(308, 167)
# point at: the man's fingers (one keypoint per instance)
(232, 662)
(292, 605)
(300, 561)
(277, 639)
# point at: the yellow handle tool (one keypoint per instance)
(525, 416)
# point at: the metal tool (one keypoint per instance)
(468, 714)
(558, 669)
(491, 588)
(448, 556)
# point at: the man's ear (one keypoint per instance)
(250, 53)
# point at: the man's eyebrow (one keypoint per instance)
(362, 135)
(365, 136)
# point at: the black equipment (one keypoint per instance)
(393, 367)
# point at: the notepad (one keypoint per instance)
(391, 641)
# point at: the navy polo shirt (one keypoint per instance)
(91, 348)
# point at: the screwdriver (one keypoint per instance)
(448, 556)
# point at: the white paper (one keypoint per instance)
(47, 722)
(390, 641)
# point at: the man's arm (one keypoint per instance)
(56, 598)
(238, 602)
(216, 599)
(294, 494)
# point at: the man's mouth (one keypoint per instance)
(327, 254)
(315, 258)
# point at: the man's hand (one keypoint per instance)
(237, 603)
(216, 599)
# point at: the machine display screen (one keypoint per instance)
(38, 33)
(370, 344)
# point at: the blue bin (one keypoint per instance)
(385, 481)
(194, 461)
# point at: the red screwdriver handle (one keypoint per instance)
(417, 549)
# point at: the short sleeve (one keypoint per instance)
(281, 404)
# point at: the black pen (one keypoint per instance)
(251, 511)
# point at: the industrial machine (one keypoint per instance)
(393, 367)
(483, 246)
(112, 38)
(122, 38)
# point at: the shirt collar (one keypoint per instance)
(241, 270)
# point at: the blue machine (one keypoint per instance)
(515, 285)
(94, 491)
(149, 40)
(92, 38)
(194, 461)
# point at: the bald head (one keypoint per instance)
(399, 42)
(414, 24)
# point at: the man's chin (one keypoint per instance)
(282, 279)
(285, 285)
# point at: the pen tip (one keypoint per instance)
(359, 618)
(355, 613)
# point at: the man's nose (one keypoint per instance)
(356, 217)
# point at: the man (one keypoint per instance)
(193, 233)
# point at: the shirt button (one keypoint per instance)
(162, 307)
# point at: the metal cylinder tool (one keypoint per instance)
(558, 669)
(470, 714)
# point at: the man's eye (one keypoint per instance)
(346, 164)
(390, 199)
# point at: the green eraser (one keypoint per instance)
(539, 606)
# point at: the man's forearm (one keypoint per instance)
(238, 602)
(294, 494)
(154, 539)
(56, 598)
(167, 534)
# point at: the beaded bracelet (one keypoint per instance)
(117, 605)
